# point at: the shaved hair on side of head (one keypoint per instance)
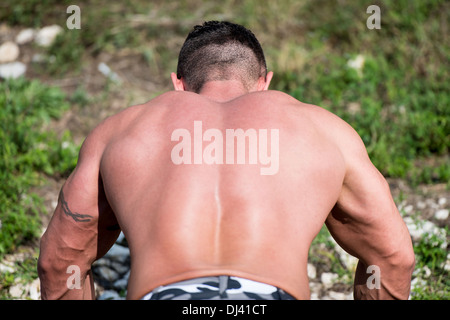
(220, 51)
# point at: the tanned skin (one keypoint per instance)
(193, 220)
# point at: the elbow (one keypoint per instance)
(45, 268)
(44, 273)
(398, 271)
(49, 272)
(410, 261)
(403, 260)
(405, 256)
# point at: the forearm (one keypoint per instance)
(384, 281)
(63, 274)
(70, 284)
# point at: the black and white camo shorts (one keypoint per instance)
(218, 288)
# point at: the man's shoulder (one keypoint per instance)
(312, 111)
(325, 121)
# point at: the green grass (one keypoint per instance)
(27, 154)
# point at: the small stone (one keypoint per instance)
(447, 263)
(109, 295)
(334, 295)
(12, 70)
(118, 253)
(315, 288)
(328, 278)
(107, 274)
(25, 36)
(121, 238)
(9, 51)
(35, 289)
(442, 201)
(127, 275)
(107, 72)
(6, 267)
(418, 283)
(421, 205)
(101, 262)
(408, 209)
(18, 291)
(314, 296)
(441, 214)
(120, 268)
(432, 204)
(357, 63)
(354, 107)
(121, 284)
(47, 35)
(311, 269)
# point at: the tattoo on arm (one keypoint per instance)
(78, 217)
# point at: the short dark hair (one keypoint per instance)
(218, 51)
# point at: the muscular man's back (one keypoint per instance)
(192, 204)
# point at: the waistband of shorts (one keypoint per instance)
(217, 288)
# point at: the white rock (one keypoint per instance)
(120, 238)
(426, 229)
(12, 70)
(442, 201)
(357, 63)
(314, 296)
(108, 274)
(441, 214)
(25, 36)
(35, 290)
(427, 271)
(447, 263)
(6, 267)
(47, 35)
(102, 262)
(16, 291)
(311, 269)
(118, 253)
(121, 284)
(408, 209)
(107, 72)
(109, 295)
(334, 295)
(432, 204)
(328, 278)
(415, 232)
(349, 261)
(315, 289)
(9, 51)
(418, 283)
(120, 268)
(421, 205)
(127, 275)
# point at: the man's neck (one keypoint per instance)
(222, 91)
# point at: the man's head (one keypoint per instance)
(220, 51)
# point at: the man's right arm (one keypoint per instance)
(366, 223)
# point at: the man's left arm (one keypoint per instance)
(82, 229)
